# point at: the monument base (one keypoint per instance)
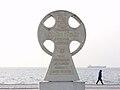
(54, 85)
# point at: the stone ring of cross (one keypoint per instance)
(61, 33)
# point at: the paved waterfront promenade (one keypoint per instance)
(35, 87)
(102, 87)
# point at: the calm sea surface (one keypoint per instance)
(34, 75)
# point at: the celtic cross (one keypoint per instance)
(61, 67)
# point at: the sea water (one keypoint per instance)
(35, 75)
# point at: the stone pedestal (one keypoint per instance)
(61, 85)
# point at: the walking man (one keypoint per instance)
(100, 77)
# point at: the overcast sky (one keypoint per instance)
(19, 20)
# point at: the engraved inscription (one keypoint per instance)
(61, 72)
(65, 34)
(62, 50)
(61, 66)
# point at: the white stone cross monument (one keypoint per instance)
(61, 68)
